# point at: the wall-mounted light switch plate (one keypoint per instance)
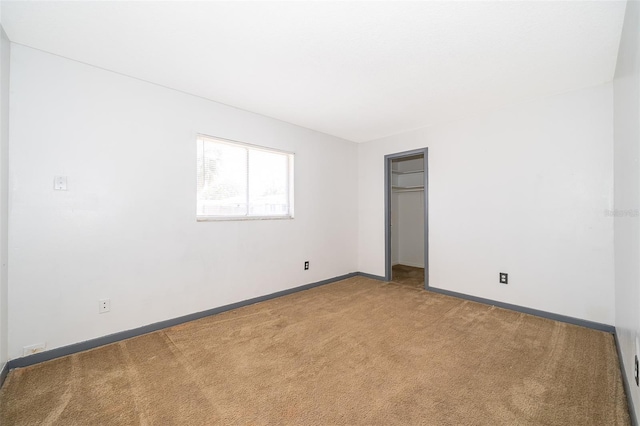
(504, 278)
(60, 183)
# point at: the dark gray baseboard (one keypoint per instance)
(122, 335)
(3, 373)
(556, 317)
(627, 385)
(373, 277)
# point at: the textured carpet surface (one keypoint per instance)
(353, 352)
(408, 275)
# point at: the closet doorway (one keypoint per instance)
(406, 218)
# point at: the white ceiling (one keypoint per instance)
(358, 70)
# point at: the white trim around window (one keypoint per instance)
(240, 181)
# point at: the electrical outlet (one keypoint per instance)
(104, 306)
(504, 278)
(306, 265)
(60, 183)
(33, 349)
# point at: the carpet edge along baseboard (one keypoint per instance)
(127, 334)
(625, 383)
(3, 373)
(523, 309)
(150, 328)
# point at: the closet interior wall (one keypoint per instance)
(407, 212)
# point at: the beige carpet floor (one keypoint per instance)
(356, 352)
(408, 275)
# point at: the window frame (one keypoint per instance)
(290, 180)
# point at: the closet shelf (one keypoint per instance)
(407, 188)
(397, 172)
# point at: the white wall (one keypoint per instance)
(126, 228)
(410, 212)
(407, 215)
(522, 190)
(627, 193)
(4, 192)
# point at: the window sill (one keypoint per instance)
(239, 218)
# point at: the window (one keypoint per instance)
(240, 181)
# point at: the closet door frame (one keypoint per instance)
(388, 159)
